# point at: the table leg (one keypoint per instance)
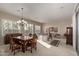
(23, 48)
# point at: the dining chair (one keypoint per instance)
(14, 46)
(29, 45)
(34, 41)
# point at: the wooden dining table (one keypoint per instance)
(23, 40)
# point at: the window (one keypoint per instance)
(9, 26)
(31, 28)
(37, 29)
(28, 28)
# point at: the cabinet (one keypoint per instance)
(69, 35)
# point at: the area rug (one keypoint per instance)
(55, 43)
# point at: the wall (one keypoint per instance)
(7, 16)
(0, 29)
(60, 24)
(75, 27)
(74, 30)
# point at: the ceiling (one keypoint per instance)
(41, 12)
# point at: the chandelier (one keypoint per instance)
(22, 22)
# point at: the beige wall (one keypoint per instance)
(74, 30)
(60, 24)
(75, 27)
(7, 16)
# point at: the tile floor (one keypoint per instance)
(61, 50)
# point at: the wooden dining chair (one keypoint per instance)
(29, 45)
(14, 46)
(34, 41)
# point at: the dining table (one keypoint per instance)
(23, 40)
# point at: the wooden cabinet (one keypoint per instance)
(7, 37)
(69, 35)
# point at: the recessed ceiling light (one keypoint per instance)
(61, 7)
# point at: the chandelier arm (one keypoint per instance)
(22, 13)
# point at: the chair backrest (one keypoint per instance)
(12, 42)
(35, 36)
(30, 35)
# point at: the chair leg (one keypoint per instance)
(14, 52)
(35, 48)
(31, 49)
(47, 39)
(10, 47)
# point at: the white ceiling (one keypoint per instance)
(41, 12)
